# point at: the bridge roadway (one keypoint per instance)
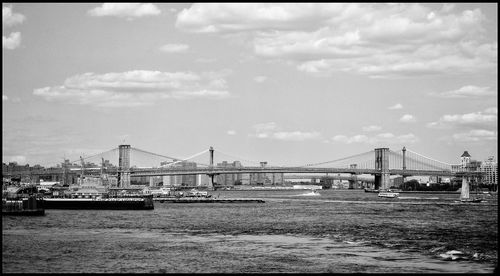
(231, 170)
(218, 170)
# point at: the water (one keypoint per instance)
(338, 231)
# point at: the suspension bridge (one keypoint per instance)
(134, 162)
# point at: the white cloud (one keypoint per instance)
(260, 79)
(9, 18)
(272, 131)
(125, 10)
(175, 48)
(372, 128)
(4, 98)
(377, 40)
(380, 139)
(136, 88)
(466, 92)
(12, 41)
(396, 106)
(407, 118)
(476, 135)
(475, 119)
(231, 132)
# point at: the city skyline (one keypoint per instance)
(282, 83)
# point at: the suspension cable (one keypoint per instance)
(92, 156)
(159, 155)
(429, 158)
(321, 163)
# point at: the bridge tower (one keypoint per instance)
(382, 179)
(353, 182)
(404, 164)
(211, 165)
(124, 166)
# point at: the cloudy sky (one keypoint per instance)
(285, 83)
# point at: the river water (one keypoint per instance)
(339, 231)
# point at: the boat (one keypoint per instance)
(196, 193)
(388, 194)
(113, 203)
(367, 190)
(31, 206)
(313, 192)
(465, 195)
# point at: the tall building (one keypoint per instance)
(490, 170)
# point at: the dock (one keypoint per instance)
(207, 200)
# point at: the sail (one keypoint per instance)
(465, 189)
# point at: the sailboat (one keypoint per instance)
(465, 195)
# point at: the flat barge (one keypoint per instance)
(128, 203)
(30, 206)
(208, 200)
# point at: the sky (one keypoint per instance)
(284, 83)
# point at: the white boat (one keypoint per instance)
(388, 193)
(465, 195)
(196, 193)
(311, 193)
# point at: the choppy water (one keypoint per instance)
(339, 231)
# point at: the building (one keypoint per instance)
(490, 170)
(229, 179)
(181, 180)
(465, 159)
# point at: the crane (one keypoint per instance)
(83, 169)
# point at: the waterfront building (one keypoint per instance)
(465, 159)
(490, 170)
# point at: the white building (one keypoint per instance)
(490, 169)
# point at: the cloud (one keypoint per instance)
(260, 79)
(469, 91)
(4, 98)
(396, 106)
(407, 118)
(174, 48)
(371, 128)
(9, 18)
(382, 138)
(136, 88)
(272, 131)
(12, 41)
(476, 135)
(376, 40)
(475, 119)
(125, 10)
(231, 132)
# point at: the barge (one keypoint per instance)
(125, 203)
(31, 206)
(208, 200)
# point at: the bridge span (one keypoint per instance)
(381, 163)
